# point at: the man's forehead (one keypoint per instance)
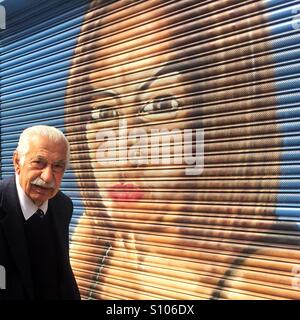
(43, 140)
(42, 144)
(42, 156)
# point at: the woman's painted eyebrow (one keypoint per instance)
(105, 92)
(164, 71)
(147, 84)
(112, 94)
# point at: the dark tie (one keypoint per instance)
(39, 213)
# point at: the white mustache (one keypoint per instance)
(41, 183)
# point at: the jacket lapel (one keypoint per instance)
(13, 227)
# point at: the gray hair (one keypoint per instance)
(52, 133)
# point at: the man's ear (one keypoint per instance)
(16, 161)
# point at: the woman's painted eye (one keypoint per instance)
(161, 104)
(104, 114)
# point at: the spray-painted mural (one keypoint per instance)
(145, 80)
(182, 118)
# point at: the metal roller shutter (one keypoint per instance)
(162, 212)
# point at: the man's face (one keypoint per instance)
(45, 160)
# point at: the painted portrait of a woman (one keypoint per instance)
(171, 213)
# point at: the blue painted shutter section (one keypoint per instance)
(127, 81)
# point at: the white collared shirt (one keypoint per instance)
(27, 205)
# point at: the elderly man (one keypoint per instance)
(34, 220)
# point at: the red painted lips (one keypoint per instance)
(125, 192)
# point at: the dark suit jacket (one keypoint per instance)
(13, 250)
